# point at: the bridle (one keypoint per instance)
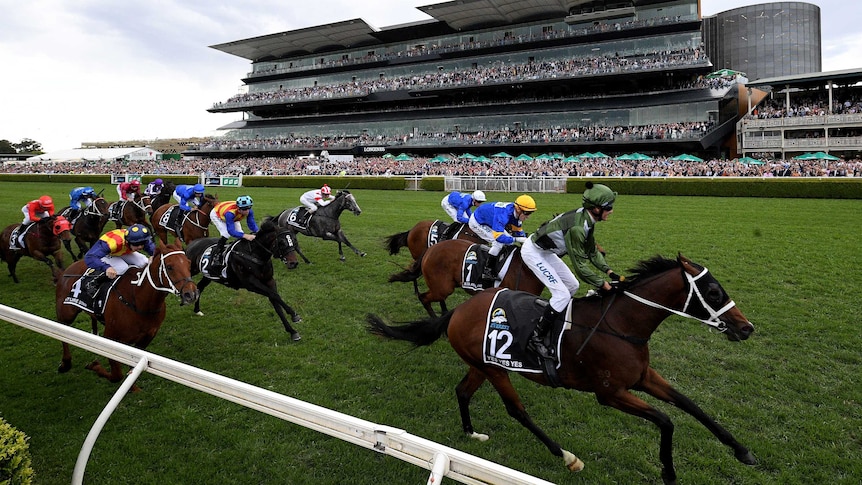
(694, 294)
(171, 287)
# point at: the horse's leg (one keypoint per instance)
(58, 257)
(68, 245)
(204, 282)
(12, 262)
(270, 291)
(464, 392)
(302, 256)
(656, 386)
(343, 238)
(499, 378)
(425, 300)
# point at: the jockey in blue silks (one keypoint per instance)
(490, 222)
(189, 197)
(79, 199)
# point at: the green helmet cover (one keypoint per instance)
(598, 195)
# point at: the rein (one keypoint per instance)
(148, 276)
(693, 291)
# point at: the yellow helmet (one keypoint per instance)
(525, 203)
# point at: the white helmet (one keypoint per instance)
(479, 195)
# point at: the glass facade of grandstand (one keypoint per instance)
(766, 40)
(629, 77)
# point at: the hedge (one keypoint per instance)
(15, 468)
(781, 187)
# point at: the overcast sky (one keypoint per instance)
(104, 70)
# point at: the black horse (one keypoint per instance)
(87, 227)
(249, 266)
(324, 222)
(151, 203)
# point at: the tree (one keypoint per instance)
(6, 147)
(27, 145)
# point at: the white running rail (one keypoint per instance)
(440, 460)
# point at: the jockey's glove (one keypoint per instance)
(615, 278)
(520, 240)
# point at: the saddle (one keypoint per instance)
(437, 232)
(206, 261)
(510, 324)
(474, 262)
(18, 239)
(79, 296)
(299, 217)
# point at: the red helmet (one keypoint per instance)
(325, 190)
(135, 184)
(45, 201)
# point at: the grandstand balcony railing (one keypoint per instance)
(801, 121)
(778, 143)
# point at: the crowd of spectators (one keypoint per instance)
(809, 104)
(422, 166)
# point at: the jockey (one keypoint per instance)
(189, 197)
(116, 251)
(129, 190)
(459, 206)
(227, 216)
(34, 211)
(154, 188)
(490, 222)
(79, 199)
(314, 199)
(571, 233)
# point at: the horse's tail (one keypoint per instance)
(419, 332)
(397, 241)
(409, 274)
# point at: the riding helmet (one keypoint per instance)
(525, 203)
(135, 183)
(325, 190)
(198, 189)
(244, 202)
(479, 196)
(598, 195)
(45, 201)
(158, 182)
(88, 191)
(137, 234)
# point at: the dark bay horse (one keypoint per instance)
(87, 227)
(324, 222)
(441, 266)
(135, 308)
(250, 266)
(42, 240)
(195, 226)
(424, 235)
(606, 351)
(129, 212)
(151, 203)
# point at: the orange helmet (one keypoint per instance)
(46, 202)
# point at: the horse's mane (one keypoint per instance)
(650, 267)
(268, 225)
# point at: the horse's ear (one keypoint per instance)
(682, 259)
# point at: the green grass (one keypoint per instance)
(790, 393)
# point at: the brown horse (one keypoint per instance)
(606, 351)
(424, 235)
(128, 212)
(441, 266)
(195, 226)
(153, 202)
(43, 239)
(87, 227)
(135, 308)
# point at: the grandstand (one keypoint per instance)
(484, 76)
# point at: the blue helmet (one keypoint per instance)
(137, 234)
(88, 191)
(244, 202)
(198, 188)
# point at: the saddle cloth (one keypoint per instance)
(474, 262)
(95, 304)
(18, 239)
(299, 217)
(206, 259)
(510, 322)
(435, 232)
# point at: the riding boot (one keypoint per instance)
(178, 223)
(489, 272)
(216, 258)
(92, 286)
(544, 325)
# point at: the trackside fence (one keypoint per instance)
(440, 460)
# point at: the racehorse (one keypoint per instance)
(442, 267)
(87, 227)
(151, 203)
(324, 222)
(41, 241)
(423, 235)
(606, 351)
(195, 225)
(129, 212)
(249, 266)
(135, 307)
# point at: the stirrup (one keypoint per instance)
(537, 344)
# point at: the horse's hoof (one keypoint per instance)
(746, 458)
(573, 463)
(479, 436)
(64, 367)
(295, 337)
(296, 319)
(200, 314)
(362, 255)
(92, 365)
(342, 259)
